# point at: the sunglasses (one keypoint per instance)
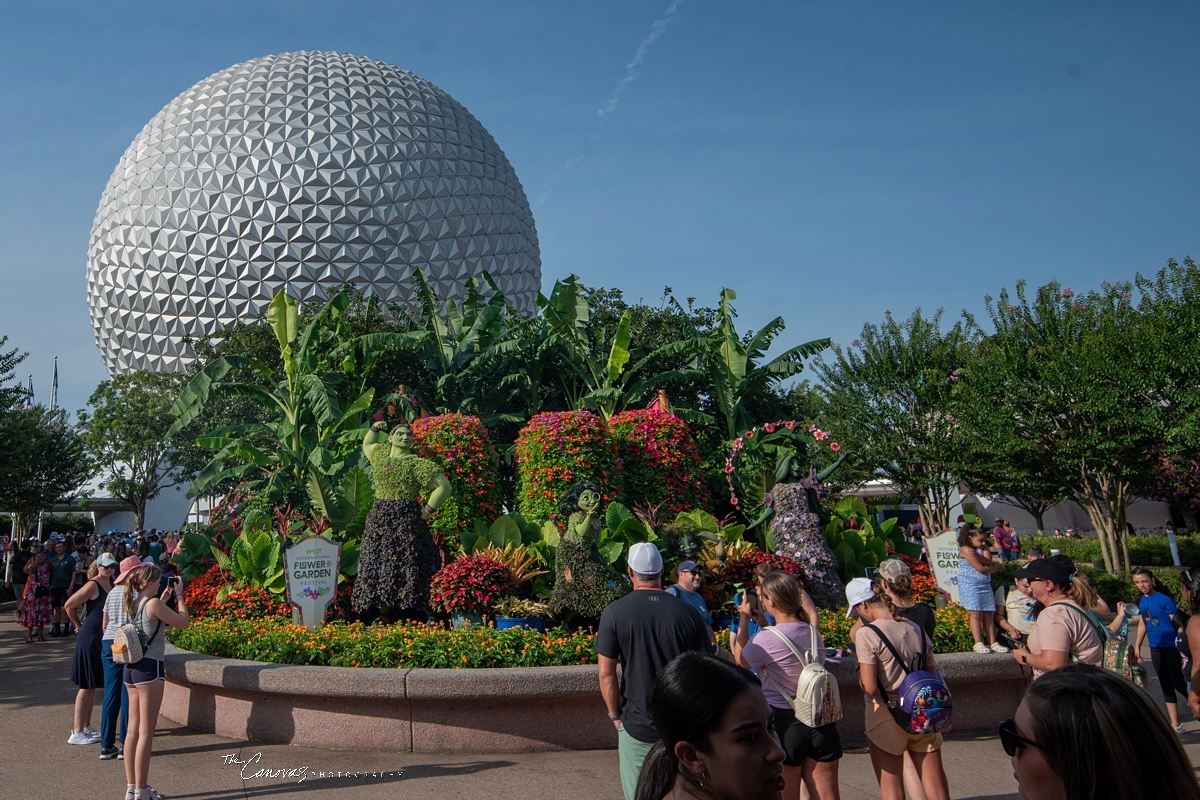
(1012, 741)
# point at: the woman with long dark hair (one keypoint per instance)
(1083, 733)
(716, 736)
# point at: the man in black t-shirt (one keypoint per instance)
(644, 630)
(16, 572)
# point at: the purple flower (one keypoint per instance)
(1067, 294)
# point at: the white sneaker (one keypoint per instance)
(980, 647)
(1179, 728)
(90, 731)
(83, 737)
(998, 648)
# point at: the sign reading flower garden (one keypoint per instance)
(311, 566)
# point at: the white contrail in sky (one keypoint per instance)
(656, 30)
(631, 73)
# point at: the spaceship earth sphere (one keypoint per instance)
(302, 171)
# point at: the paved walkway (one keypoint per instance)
(36, 700)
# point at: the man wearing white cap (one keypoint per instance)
(644, 630)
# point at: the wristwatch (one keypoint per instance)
(615, 717)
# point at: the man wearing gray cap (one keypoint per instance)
(643, 630)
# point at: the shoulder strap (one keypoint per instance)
(896, 653)
(790, 646)
(1088, 617)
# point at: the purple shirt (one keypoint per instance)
(1003, 540)
(767, 655)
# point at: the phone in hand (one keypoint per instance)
(871, 572)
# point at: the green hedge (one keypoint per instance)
(1149, 551)
(338, 644)
(1113, 588)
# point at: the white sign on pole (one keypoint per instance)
(943, 560)
(311, 566)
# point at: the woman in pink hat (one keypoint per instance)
(116, 698)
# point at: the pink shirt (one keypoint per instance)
(767, 655)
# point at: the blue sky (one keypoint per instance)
(829, 161)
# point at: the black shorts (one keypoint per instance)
(58, 596)
(800, 741)
(148, 670)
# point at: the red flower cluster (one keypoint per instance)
(200, 593)
(741, 572)
(924, 588)
(556, 449)
(660, 461)
(461, 446)
(248, 603)
(469, 583)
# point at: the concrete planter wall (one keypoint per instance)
(481, 710)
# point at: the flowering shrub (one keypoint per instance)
(461, 447)
(249, 603)
(556, 449)
(761, 445)
(470, 583)
(741, 571)
(660, 461)
(200, 593)
(952, 633)
(337, 644)
(924, 587)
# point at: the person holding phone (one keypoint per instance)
(147, 610)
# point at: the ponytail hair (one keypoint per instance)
(878, 586)
(136, 584)
(784, 591)
(691, 695)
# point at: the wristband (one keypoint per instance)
(429, 509)
(615, 717)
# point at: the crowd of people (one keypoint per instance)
(118, 596)
(696, 721)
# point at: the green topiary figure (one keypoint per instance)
(660, 461)
(583, 582)
(557, 449)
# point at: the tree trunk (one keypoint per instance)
(1039, 517)
(1104, 500)
(139, 517)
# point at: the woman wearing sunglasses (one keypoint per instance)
(1082, 733)
(1065, 627)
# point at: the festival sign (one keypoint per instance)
(943, 560)
(312, 574)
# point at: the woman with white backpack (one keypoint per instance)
(804, 700)
(140, 645)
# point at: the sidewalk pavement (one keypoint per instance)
(36, 702)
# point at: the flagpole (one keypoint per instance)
(29, 400)
(54, 387)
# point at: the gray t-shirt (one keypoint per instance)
(157, 649)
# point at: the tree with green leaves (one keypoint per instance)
(1068, 383)
(731, 367)
(312, 425)
(48, 462)
(125, 432)
(891, 403)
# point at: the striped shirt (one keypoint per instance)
(114, 606)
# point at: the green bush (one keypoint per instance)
(338, 644)
(660, 461)
(1113, 588)
(1149, 551)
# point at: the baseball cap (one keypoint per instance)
(1046, 569)
(688, 566)
(644, 559)
(858, 591)
(107, 560)
(893, 568)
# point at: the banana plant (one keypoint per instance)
(465, 349)
(604, 379)
(857, 540)
(255, 560)
(314, 411)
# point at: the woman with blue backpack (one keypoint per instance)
(907, 705)
(804, 700)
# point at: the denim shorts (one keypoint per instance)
(148, 670)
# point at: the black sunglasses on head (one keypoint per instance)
(1012, 741)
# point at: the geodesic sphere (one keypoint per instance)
(301, 170)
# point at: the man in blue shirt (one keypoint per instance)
(687, 589)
